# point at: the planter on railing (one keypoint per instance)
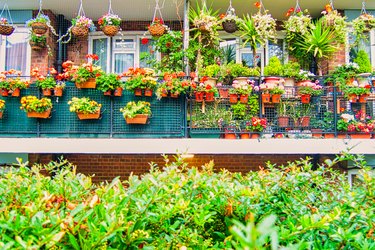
(138, 119)
(43, 115)
(89, 84)
(83, 116)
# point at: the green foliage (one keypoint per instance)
(109, 81)
(211, 70)
(237, 69)
(363, 61)
(213, 117)
(84, 105)
(291, 69)
(48, 83)
(40, 40)
(274, 67)
(132, 109)
(183, 206)
(239, 110)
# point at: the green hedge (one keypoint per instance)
(181, 207)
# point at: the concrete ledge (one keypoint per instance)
(191, 146)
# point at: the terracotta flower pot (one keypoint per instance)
(255, 135)
(138, 92)
(43, 115)
(353, 98)
(118, 92)
(317, 133)
(361, 136)
(283, 121)
(209, 97)
(175, 95)
(305, 121)
(305, 99)
(107, 93)
(266, 98)
(244, 98)
(138, 119)
(272, 79)
(233, 98)
(16, 92)
(245, 135)
(1, 114)
(89, 84)
(148, 92)
(58, 91)
(4, 92)
(47, 92)
(83, 116)
(199, 96)
(329, 136)
(223, 92)
(363, 98)
(276, 98)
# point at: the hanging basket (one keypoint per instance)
(36, 46)
(110, 30)
(6, 30)
(39, 28)
(157, 29)
(80, 32)
(230, 26)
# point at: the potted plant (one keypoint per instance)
(362, 59)
(204, 91)
(39, 24)
(46, 83)
(36, 108)
(209, 123)
(204, 19)
(6, 29)
(283, 113)
(362, 25)
(16, 84)
(242, 90)
(2, 108)
(353, 92)
(289, 72)
(270, 89)
(81, 26)
(256, 126)
(211, 72)
(109, 83)
(110, 24)
(157, 28)
(13, 84)
(237, 71)
(85, 108)
(140, 79)
(84, 75)
(273, 70)
(276, 93)
(308, 89)
(136, 112)
(176, 85)
(4, 85)
(332, 18)
(37, 41)
(58, 89)
(230, 21)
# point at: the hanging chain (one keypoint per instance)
(331, 3)
(6, 8)
(81, 12)
(363, 11)
(157, 9)
(298, 7)
(231, 11)
(110, 11)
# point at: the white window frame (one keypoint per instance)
(19, 29)
(352, 173)
(91, 47)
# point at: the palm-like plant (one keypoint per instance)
(251, 35)
(319, 42)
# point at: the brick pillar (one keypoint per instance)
(338, 58)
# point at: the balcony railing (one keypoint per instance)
(185, 117)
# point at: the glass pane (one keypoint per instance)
(228, 50)
(247, 59)
(16, 52)
(124, 44)
(276, 49)
(101, 49)
(123, 61)
(146, 50)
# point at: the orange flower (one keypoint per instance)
(222, 16)
(258, 5)
(52, 71)
(289, 12)
(328, 8)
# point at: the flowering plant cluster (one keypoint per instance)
(202, 87)
(334, 19)
(84, 105)
(355, 89)
(355, 123)
(175, 84)
(310, 88)
(82, 21)
(265, 24)
(132, 109)
(44, 82)
(272, 88)
(256, 124)
(82, 73)
(33, 104)
(40, 18)
(242, 88)
(109, 19)
(298, 23)
(230, 16)
(11, 80)
(304, 75)
(3, 21)
(362, 24)
(2, 105)
(140, 78)
(205, 20)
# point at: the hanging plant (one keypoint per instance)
(265, 24)
(229, 20)
(6, 26)
(81, 26)
(362, 25)
(157, 28)
(110, 22)
(38, 42)
(41, 23)
(333, 19)
(298, 23)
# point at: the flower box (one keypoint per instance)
(1, 114)
(89, 84)
(138, 119)
(93, 116)
(44, 115)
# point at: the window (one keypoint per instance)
(121, 52)
(15, 52)
(276, 49)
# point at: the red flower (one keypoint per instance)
(92, 56)
(67, 64)
(258, 5)
(169, 44)
(203, 79)
(144, 41)
(193, 74)
(208, 87)
(368, 86)
(181, 74)
(328, 8)
(52, 71)
(222, 16)
(100, 21)
(289, 12)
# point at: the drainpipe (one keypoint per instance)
(62, 25)
(186, 34)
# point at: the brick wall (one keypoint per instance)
(338, 58)
(45, 58)
(107, 166)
